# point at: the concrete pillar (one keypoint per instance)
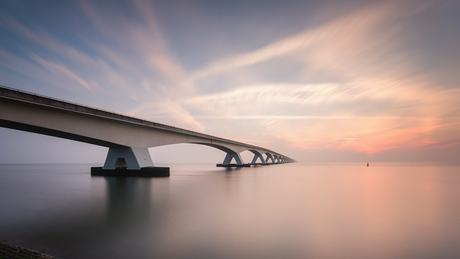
(131, 158)
(257, 155)
(269, 156)
(232, 155)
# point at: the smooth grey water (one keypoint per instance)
(341, 210)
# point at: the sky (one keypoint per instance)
(318, 81)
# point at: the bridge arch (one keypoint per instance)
(139, 157)
(257, 156)
(269, 157)
(233, 153)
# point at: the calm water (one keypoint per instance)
(344, 210)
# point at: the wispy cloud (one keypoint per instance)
(323, 93)
(157, 75)
(138, 64)
(164, 110)
(351, 29)
(373, 96)
(351, 82)
(60, 69)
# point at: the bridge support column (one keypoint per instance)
(257, 155)
(127, 157)
(228, 159)
(269, 157)
(129, 161)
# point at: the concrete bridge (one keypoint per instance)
(127, 138)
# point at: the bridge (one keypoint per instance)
(127, 138)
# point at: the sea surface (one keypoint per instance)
(324, 210)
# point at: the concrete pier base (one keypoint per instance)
(261, 164)
(233, 165)
(150, 171)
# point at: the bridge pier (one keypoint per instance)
(129, 161)
(232, 155)
(269, 157)
(257, 155)
(131, 158)
(276, 159)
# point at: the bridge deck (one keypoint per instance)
(128, 138)
(15, 94)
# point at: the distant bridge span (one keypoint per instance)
(127, 138)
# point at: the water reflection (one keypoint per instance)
(108, 222)
(128, 202)
(294, 211)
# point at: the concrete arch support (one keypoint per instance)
(257, 155)
(128, 157)
(230, 156)
(269, 157)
